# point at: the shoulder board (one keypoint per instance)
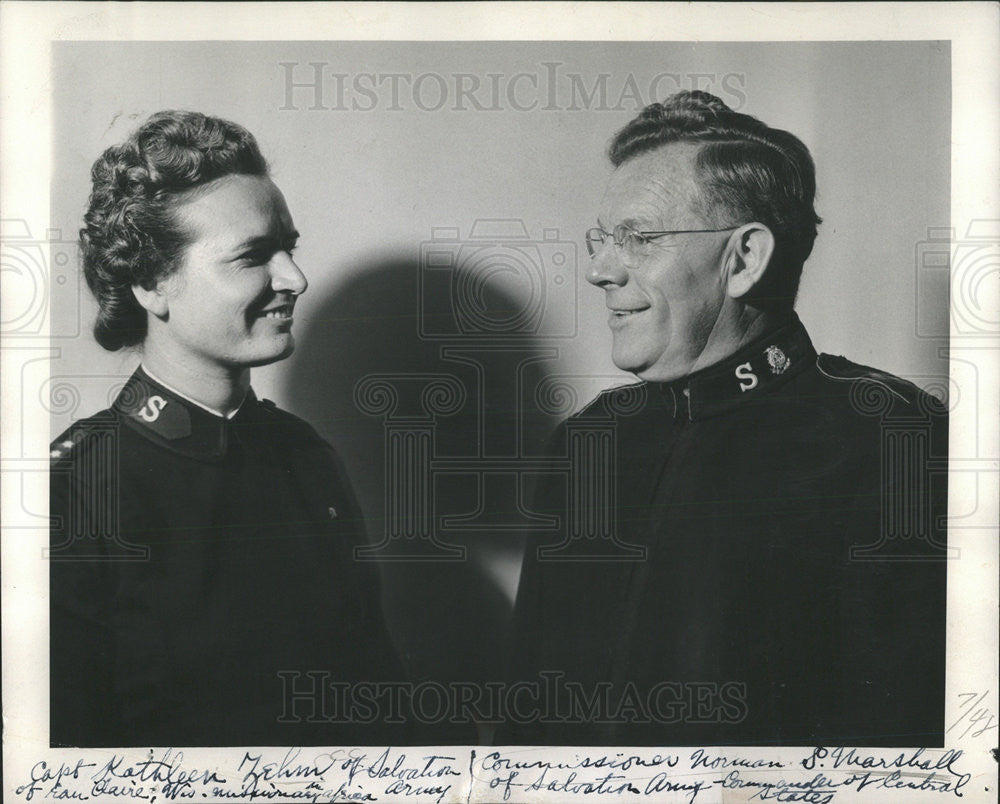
(78, 437)
(837, 367)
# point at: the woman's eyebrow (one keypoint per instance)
(267, 240)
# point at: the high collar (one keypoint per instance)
(742, 378)
(170, 420)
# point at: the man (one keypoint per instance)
(777, 517)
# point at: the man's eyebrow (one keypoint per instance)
(635, 223)
(631, 223)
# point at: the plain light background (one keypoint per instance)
(368, 189)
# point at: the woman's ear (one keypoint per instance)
(752, 247)
(153, 299)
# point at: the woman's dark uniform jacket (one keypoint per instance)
(768, 600)
(194, 559)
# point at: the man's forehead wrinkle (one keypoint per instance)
(651, 191)
(674, 179)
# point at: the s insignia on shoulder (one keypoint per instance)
(777, 360)
(332, 512)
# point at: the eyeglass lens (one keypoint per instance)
(623, 237)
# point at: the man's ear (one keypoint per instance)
(751, 248)
(153, 299)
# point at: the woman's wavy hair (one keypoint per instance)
(747, 172)
(131, 234)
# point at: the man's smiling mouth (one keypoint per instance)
(624, 312)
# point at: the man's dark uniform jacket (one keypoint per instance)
(193, 559)
(792, 591)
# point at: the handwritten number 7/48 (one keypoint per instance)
(974, 716)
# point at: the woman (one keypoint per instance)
(202, 549)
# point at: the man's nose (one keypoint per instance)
(606, 267)
(286, 275)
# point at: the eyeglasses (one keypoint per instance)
(633, 244)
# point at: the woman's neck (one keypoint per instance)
(216, 387)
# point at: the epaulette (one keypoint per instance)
(76, 438)
(839, 368)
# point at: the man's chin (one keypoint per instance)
(651, 372)
(631, 360)
(635, 367)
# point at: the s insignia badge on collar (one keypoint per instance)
(777, 360)
(150, 412)
(748, 380)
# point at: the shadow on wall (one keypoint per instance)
(430, 400)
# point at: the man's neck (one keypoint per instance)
(747, 327)
(755, 324)
(216, 388)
